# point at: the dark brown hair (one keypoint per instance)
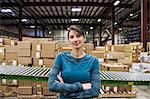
(76, 28)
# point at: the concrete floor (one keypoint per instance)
(143, 92)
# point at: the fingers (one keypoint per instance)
(60, 78)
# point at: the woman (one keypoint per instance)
(75, 74)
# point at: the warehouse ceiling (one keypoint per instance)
(59, 14)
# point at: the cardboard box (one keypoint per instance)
(35, 54)
(108, 47)
(25, 90)
(66, 49)
(48, 45)
(127, 61)
(114, 67)
(24, 45)
(48, 54)
(36, 46)
(24, 52)
(118, 48)
(11, 56)
(115, 55)
(45, 84)
(24, 60)
(100, 48)
(25, 83)
(38, 62)
(2, 50)
(7, 41)
(89, 47)
(2, 56)
(47, 93)
(98, 54)
(11, 48)
(48, 62)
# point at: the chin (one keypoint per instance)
(77, 47)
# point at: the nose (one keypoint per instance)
(75, 39)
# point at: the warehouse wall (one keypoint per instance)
(31, 32)
(60, 35)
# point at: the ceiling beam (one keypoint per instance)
(129, 26)
(26, 4)
(52, 24)
(55, 17)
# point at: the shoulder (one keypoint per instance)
(63, 54)
(92, 57)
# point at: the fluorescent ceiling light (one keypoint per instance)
(32, 26)
(87, 32)
(91, 28)
(3, 10)
(24, 20)
(131, 14)
(50, 32)
(99, 20)
(115, 23)
(120, 29)
(76, 9)
(116, 3)
(74, 19)
(6, 10)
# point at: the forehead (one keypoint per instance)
(73, 32)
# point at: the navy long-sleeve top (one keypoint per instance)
(75, 71)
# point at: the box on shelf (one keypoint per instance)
(48, 62)
(47, 53)
(11, 48)
(98, 54)
(114, 67)
(100, 48)
(89, 47)
(48, 45)
(11, 56)
(24, 45)
(115, 55)
(24, 52)
(25, 90)
(24, 60)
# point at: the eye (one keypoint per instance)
(78, 35)
(71, 36)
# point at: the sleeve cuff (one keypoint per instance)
(80, 88)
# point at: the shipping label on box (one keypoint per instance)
(38, 47)
(37, 54)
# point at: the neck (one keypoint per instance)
(77, 53)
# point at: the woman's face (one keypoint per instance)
(76, 40)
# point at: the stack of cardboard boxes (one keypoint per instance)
(119, 54)
(43, 53)
(24, 53)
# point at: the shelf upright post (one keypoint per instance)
(144, 23)
(20, 24)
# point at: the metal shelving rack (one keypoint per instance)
(42, 74)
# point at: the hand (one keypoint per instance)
(86, 86)
(60, 78)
